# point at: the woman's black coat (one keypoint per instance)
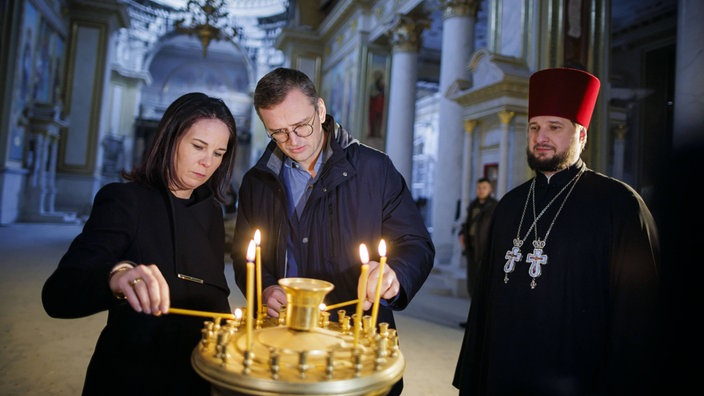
(136, 353)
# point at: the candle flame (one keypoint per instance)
(257, 237)
(251, 251)
(363, 253)
(382, 248)
(238, 313)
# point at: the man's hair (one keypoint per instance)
(483, 179)
(275, 85)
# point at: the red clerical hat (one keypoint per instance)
(563, 92)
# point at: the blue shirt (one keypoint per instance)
(299, 185)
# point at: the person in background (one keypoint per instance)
(568, 299)
(151, 243)
(316, 194)
(475, 232)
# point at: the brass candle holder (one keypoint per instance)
(307, 354)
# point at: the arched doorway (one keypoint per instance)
(177, 66)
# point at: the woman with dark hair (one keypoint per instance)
(151, 243)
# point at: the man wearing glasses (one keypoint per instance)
(316, 194)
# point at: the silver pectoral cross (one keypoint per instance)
(536, 260)
(512, 257)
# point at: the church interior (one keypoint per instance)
(439, 85)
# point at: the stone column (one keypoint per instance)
(405, 40)
(502, 184)
(457, 47)
(689, 85)
(90, 60)
(619, 131)
(469, 126)
(457, 259)
(43, 124)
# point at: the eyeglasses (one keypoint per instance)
(302, 130)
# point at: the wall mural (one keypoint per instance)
(377, 72)
(339, 92)
(39, 74)
(24, 80)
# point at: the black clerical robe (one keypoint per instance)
(588, 327)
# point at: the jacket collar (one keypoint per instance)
(562, 177)
(337, 139)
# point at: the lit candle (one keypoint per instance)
(250, 292)
(362, 291)
(258, 241)
(377, 296)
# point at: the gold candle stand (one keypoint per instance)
(304, 355)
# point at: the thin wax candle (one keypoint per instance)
(258, 263)
(377, 296)
(205, 314)
(250, 292)
(361, 292)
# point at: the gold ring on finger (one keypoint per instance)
(134, 281)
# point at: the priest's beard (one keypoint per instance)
(558, 162)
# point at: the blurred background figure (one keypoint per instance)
(474, 232)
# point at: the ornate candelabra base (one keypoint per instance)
(304, 355)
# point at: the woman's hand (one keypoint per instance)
(144, 287)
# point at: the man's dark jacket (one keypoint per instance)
(359, 197)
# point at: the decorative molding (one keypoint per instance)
(404, 33)
(505, 116)
(458, 85)
(459, 8)
(298, 37)
(488, 68)
(508, 88)
(620, 131)
(469, 125)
